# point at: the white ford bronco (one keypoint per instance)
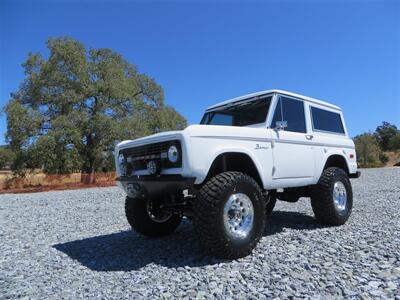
(227, 173)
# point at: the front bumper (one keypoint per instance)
(154, 186)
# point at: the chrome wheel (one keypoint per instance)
(238, 215)
(157, 216)
(339, 196)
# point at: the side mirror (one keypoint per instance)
(280, 125)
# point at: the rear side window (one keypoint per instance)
(326, 120)
(291, 111)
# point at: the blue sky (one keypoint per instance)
(202, 52)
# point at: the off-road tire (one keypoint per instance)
(208, 211)
(140, 221)
(322, 197)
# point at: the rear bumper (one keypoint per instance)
(154, 186)
(355, 175)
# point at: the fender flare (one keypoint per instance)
(242, 151)
(332, 155)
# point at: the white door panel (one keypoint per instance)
(293, 152)
(293, 156)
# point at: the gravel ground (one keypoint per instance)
(77, 244)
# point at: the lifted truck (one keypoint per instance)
(227, 173)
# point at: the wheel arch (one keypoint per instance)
(337, 160)
(234, 161)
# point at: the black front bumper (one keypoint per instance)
(154, 186)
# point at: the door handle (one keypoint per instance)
(309, 136)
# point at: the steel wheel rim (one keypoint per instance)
(339, 196)
(238, 216)
(159, 218)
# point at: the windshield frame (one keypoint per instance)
(220, 109)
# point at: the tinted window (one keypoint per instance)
(326, 120)
(241, 114)
(291, 111)
(221, 119)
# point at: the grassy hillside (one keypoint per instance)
(394, 157)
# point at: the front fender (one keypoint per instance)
(206, 150)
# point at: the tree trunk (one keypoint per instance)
(88, 174)
(88, 178)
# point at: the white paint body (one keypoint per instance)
(283, 159)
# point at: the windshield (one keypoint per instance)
(242, 114)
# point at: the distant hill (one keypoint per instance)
(394, 158)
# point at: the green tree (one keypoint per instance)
(367, 150)
(74, 105)
(383, 158)
(394, 143)
(384, 134)
(6, 157)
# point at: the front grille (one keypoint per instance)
(136, 158)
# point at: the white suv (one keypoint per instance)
(227, 173)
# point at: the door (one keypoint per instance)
(293, 153)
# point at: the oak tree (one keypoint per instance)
(75, 104)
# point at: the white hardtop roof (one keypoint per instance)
(248, 96)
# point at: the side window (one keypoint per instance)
(291, 111)
(221, 119)
(326, 120)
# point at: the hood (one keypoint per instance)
(210, 131)
(219, 131)
(154, 138)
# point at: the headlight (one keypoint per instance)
(173, 154)
(121, 162)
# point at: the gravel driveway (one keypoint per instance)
(77, 244)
